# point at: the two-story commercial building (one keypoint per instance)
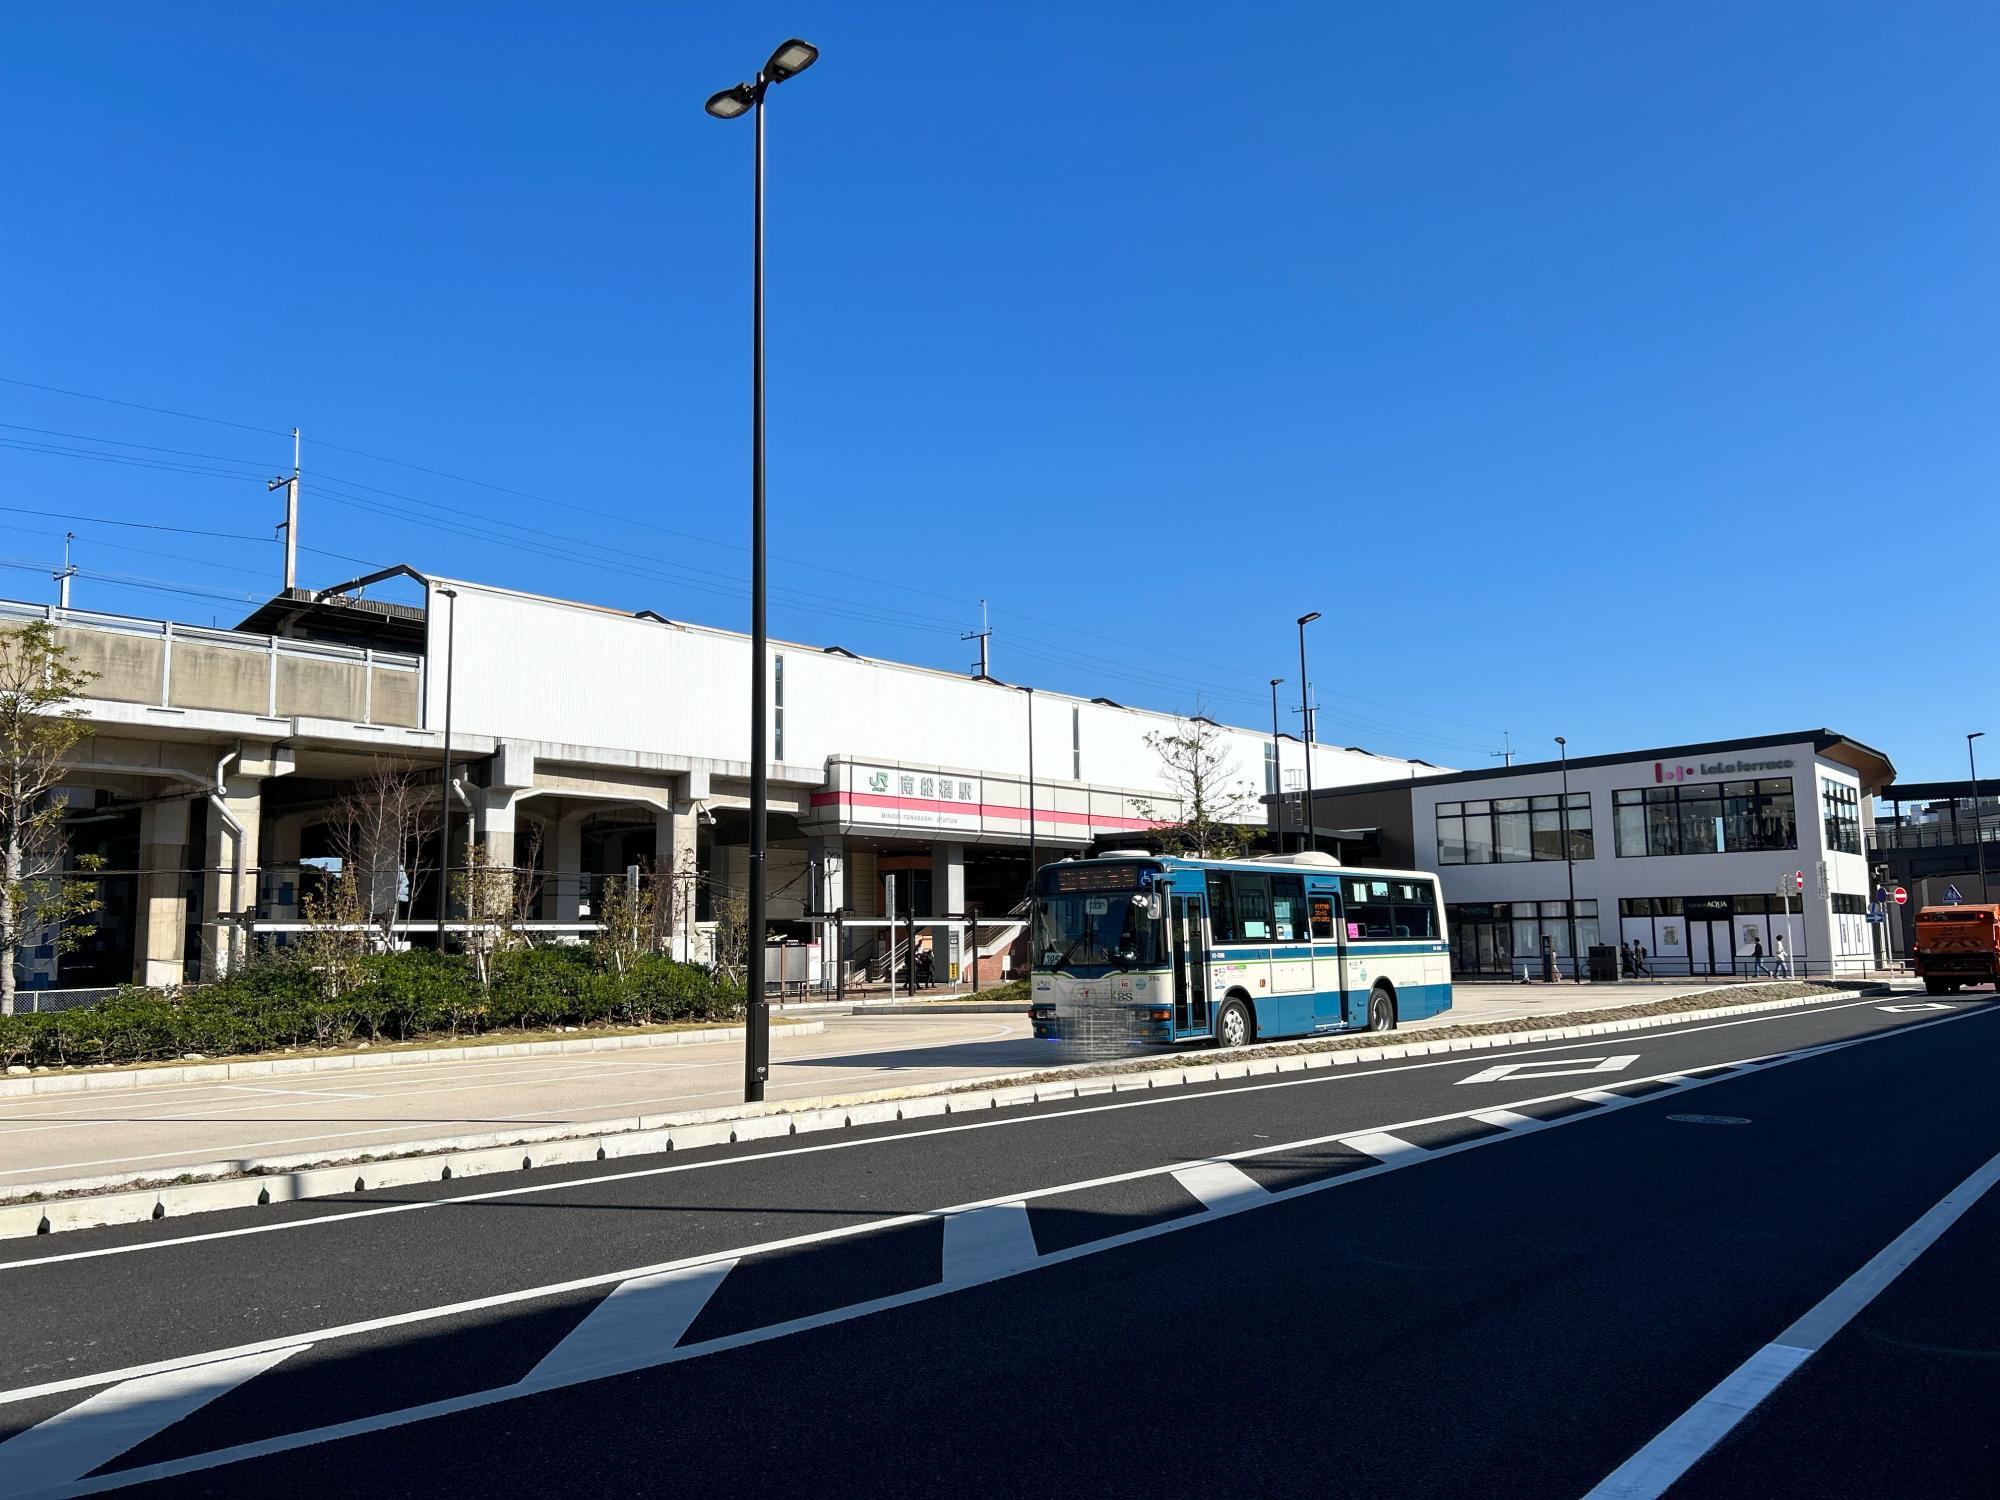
(1700, 853)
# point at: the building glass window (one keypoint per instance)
(1075, 743)
(1513, 830)
(778, 706)
(1705, 818)
(1270, 769)
(1841, 806)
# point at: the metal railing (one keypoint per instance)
(1935, 835)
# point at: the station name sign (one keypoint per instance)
(1663, 772)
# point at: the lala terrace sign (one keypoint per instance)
(1665, 772)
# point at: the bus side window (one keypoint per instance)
(1368, 909)
(1222, 907)
(1415, 909)
(1322, 916)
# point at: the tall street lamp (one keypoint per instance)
(1277, 770)
(791, 59)
(1978, 841)
(1308, 823)
(444, 789)
(1569, 861)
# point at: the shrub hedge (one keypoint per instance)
(280, 1001)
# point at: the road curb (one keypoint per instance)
(86, 1203)
(274, 1067)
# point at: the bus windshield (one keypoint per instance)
(1087, 929)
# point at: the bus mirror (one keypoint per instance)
(1151, 905)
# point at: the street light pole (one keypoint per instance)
(1569, 862)
(792, 58)
(1277, 769)
(1978, 842)
(1308, 821)
(444, 788)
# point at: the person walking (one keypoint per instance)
(1782, 958)
(1625, 960)
(1639, 959)
(1757, 969)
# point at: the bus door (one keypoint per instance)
(1329, 940)
(1190, 965)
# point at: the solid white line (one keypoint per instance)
(93, 1432)
(1657, 1466)
(386, 1421)
(988, 1242)
(634, 1326)
(1219, 1184)
(1164, 1095)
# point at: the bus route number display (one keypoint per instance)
(1093, 877)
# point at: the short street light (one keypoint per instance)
(792, 58)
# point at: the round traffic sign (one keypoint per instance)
(1899, 895)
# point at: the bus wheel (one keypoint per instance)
(1381, 1011)
(1232, 1027)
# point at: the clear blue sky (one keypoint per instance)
(1623, 371)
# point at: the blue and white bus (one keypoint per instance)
(1146, 949)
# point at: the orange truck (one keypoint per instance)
(1957, 946)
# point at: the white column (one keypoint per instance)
(566, 867)
(948, 895)
(674, 865)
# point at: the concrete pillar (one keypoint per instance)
(495, 825)
(826, 855)
(161, 929)
(566, 868)
(674, 865)
(280, 894)
(948, 896)
(228, 903)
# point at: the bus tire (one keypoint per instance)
(1233, 1025)
(1381, 1010)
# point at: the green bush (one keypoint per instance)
(280, 1001)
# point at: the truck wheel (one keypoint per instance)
(1934, 986)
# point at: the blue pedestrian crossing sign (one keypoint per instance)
(1951, 896)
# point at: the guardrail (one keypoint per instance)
(1935, 835)
(166, 665)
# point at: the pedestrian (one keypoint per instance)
(923, 968)
(1782, 955)
(1625, 960)
(1639, 959)
(1757, 969)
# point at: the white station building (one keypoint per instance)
(1695, 851)
(585, 741)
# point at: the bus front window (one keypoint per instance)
(1075, 930)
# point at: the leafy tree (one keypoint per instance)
(1213, 805)
(36, 733)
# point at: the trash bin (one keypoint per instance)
(1603, 964)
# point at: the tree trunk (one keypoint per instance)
(10, 920)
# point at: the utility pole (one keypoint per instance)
(290, 525)
(983, 634)
(1504, 756)
(68, 572)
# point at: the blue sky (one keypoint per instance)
(1610, 370)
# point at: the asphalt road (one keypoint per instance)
(1503, 1273)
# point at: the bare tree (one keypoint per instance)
(36, 733)
(529, 881)
(382, 832)
(1213, 803)
(631, 918)
(487, 894)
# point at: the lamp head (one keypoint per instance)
(732, 102)
(1308, 619)
(791, 59)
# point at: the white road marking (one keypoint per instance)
(1552, 1067)
(1657, 1466)
(1506, 1119)
(1219, 1184)
(97, 1429)
(1154, 1097)
(630, 1329)
(1385, 1147)
(1009, 1265)
(1597, 1096)
(1897, 1010)
(985, 1243)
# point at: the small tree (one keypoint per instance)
(381, 832)
(732, 929)
(36, 733)
(632, 919)
(1213, 804)
(486, 893)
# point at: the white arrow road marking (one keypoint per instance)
(630, 1329)
(1535, 1070)
(1219, 1184)
(1897, 1010)
(983, 1243)
(116, 1420)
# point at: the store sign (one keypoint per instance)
(914, 799)
(1663, 772)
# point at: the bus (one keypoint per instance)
(1134, 948)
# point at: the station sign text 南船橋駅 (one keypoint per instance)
(1665, 772)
